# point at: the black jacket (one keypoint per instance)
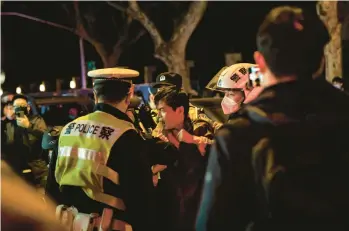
(292, 129)
(22, 145)
(180, 186)
(128, 158)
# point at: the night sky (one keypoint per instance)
(33, 52)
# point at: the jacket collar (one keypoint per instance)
(112, 111)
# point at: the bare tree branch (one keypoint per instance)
(80, 26)
(73, 30)
(137, 37)
(69, 12)
(136, 13)
(117, 6)
(189, 22)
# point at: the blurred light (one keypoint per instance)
(18, 90)
(2, 77)
(42, 87)
(1, 92)
(72, 84)
(91, 65)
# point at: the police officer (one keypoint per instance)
(101, 162)
(234, 81)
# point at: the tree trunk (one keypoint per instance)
(109, 59)
(175, 60)
(172, 52)
(343, 17)
(327, 11)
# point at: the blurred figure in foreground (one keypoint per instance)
(283, 163)
(21, 206)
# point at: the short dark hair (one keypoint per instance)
(111, 90)
(19, 96)
(173, 98)
(337, 79)
(291, 42)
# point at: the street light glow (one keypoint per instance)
(18, 90)
(2, 77)
(72, 84)
(42, 87)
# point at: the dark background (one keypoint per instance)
(33, 52)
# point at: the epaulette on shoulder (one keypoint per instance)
(203, 116)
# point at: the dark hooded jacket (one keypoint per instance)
(283, 164)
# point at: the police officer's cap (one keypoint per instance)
(168, 79)
(112, 74)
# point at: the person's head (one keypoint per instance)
(173, 107)
(8, 111)
(7, 97)
(114, 92)
(337, 82)
(73, 113)
(168, 79)
(7, 108)
(234, 81)
(290, 45)
(20, 104)
(110, 86)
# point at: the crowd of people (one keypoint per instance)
(280, 162)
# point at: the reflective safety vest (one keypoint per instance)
(84, 149)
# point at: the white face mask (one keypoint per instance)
(229, 105)
(339, 86)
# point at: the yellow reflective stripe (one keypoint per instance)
(106, 199)
(108, 173)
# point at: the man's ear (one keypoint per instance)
(128, 98)
(180, 110)
(130, 94)
(132, 90)
(28, 108)
(260, 61)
